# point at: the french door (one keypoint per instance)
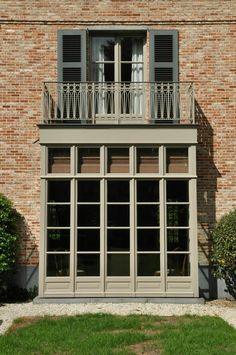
(118, 69)
(118, 234)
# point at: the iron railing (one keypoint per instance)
(142, 102)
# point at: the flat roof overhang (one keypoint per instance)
(117, 134)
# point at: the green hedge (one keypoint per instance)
(224, 251)
(8, 239)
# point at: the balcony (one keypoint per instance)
(118, 103)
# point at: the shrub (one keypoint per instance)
(8, 240)
(224, 251)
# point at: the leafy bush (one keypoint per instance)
(8, 240)
(224, 251)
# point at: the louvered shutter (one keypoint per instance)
(71, 55)
(164, 56)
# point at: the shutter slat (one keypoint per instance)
(163, 50)
(71, 48)
(163, 74)
(71, 74)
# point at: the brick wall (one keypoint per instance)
(207, 52)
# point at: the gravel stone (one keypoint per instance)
(9, 312)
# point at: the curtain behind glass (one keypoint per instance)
(99, 73)
(137, 76)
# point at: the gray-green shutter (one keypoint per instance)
(71, 55)
(164, 56)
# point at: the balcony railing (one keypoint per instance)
(119, 103)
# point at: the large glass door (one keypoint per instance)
(118, 70)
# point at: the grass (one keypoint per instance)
(104, 334)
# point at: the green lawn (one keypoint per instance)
(106, 334)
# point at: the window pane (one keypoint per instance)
(147, 160)
(103, 72)
(118, 191)
(88, 215)
(132, 49)
(148, 240)
(103, 48)
(58, 265)
(118, 160)
(118, 240)
(177, 239)
(58, 240)
(178, 265)
(177, 191)
(148, 265)
(148, 215)
(58, 191)
(58, 160)
(118, 216)
(58, 216)
(88, 160)
(148, 191)
(88, 239)
(177, 216)
(177, 160)
(88, 265)
(118, 265)
(88, 191)
(132, 73)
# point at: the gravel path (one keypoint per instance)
(9, 312)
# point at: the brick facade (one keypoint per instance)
(207, 52)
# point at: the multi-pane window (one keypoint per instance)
(88, 227)
(177, 224)
(148, 228)
(58, 227)
(118, 209)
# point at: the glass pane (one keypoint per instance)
(103, 72)
(148, 191)
(103, 48)
(58, 216)
(118, 160)
(88, 265)
(118, 265)
(58, 240)
(88, 240)
(132, 73)
(88, 160)
(58, 160)
(148, 239)
(58, 265)
(178, 265)
(177, 239)
(147, 160)
(132, 49)
(177, 215)
(118, 191)
(58, 191)
(118, 240)
(88, 215)
(126, 72)
(118, 216)
(88, 191)
(149, 265)
(177, 160)
(177, 191)
(148, 215)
